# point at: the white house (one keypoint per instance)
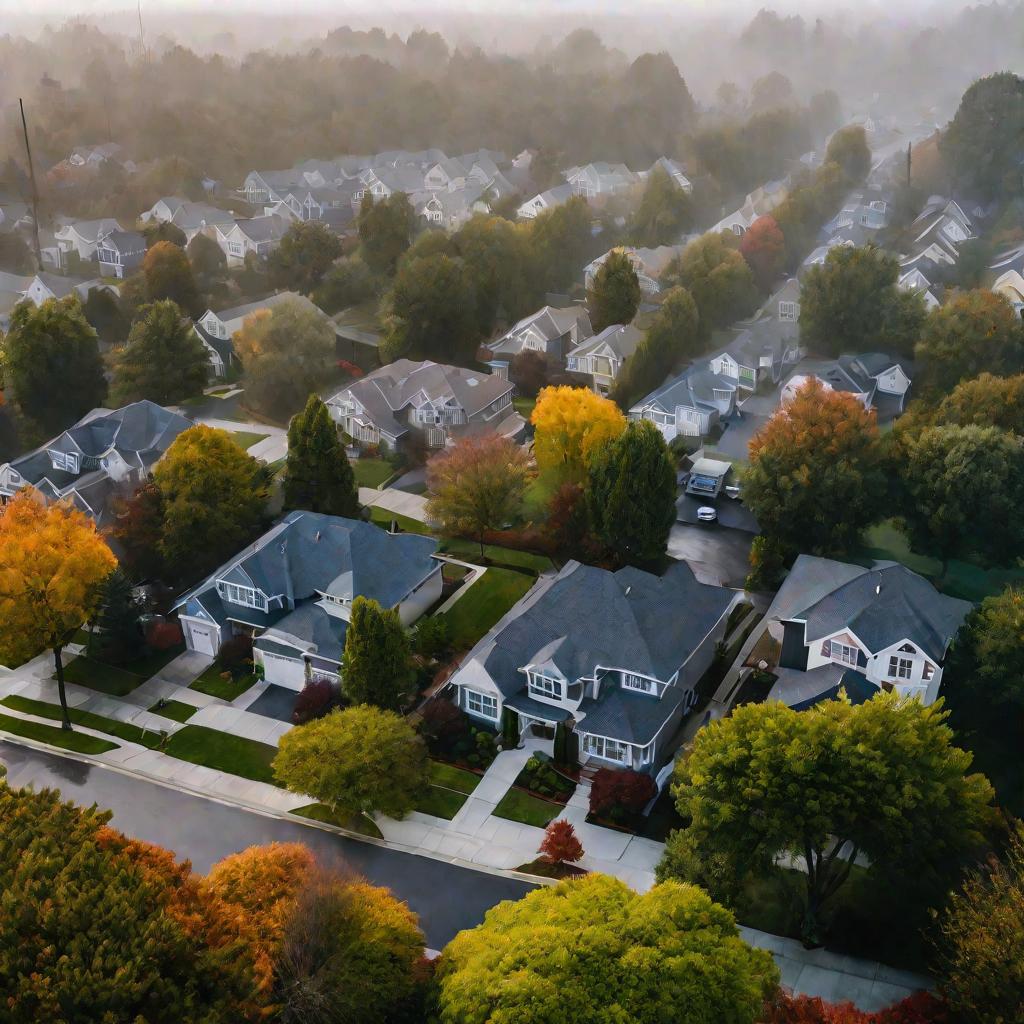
(120, 253)
(601, 357)
(761, 201)
(689, 405)
(600, 179)
(877, 380)
(649, 264)
(548, 200)
(259, 236)
(83, 237)
(551, 331)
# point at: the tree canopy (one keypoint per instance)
(848, 148)
(305, 253)
(663, 214)
(376, 663)
(719, 280)
(317, 475)
(614, 297)
(763, 246)
(168, 275)
(593, 951)
(985, 401)
(570, 425)
(386, 229)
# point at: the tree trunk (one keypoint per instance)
(58, 663)
(481, 545)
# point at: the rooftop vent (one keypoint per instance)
(472, 381)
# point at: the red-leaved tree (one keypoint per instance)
(560, 845)
(614, 792)
(764, 248)
(918, 1008)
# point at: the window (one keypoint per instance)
(788, 310)
(630, 681)
(900, 668)
(482, 704)
(545, 686)
(610, 750)
(844, 653)
(235, 248)
(245, 596)
(71, 462)
(58, 460)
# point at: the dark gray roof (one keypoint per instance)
(622, 339)
(694, 389)
(628, 716)
(127, 243)
(224, 347)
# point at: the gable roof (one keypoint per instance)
(693, 389)
(550, 322)
(622, 339)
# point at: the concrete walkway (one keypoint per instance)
(413, 506)
(270, 449)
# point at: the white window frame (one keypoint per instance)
(247, 597)
(482, 701)
(71, 462)
(236, 248)
(541, 685)
(607, 749)
(900, 668)
(841, 652)
(631, 681)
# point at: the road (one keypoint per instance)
(446, 897)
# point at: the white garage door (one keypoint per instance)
(290, 672)
(202, 638)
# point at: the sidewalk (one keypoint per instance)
(402, 503)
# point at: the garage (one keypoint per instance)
(202, 637)
(290, 672)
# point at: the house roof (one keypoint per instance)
(193, 216)
(693, 389)
(268, 228)
(227, 316)
(128, 243)
(802, 690)
(550, 322)
(91, 230)
(622, 339)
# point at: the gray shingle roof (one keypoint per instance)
(622, 339)
(627, 716)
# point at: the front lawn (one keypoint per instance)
(175, 710)
(441, 803)
(56, 737)
(122, 730)
(448, 776)
(245, 439)
(372, 472)
(539, 492)
(211, 682)
(382, 517)
(224, 752)
(108, 679)
(483, 603)
(149, 664)
(321, 812)
(516, 805)
(463, 547)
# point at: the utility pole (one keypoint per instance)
(142, 40)
(35, 191)
(908, 164)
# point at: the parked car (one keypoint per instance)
(706, 514)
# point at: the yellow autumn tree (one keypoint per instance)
(571, 424)
(52, 562)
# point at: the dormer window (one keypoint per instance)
(245, 596)
(71, 462)
(844, 653)
(542, 685)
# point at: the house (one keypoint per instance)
(649, 264)
(548, 200)
(877, 380)
(83, 237)
(258, 236)
(38, 288)
(448, 174)
(201, 218)
(915, 280)
(601, 357)
(292, 591)
(600, 179)
(163, 210)
(689, 405)
(1009, 278)
(761, 201)
(612, 656)
(784, 305)
(428, 401)
(866, 209)
(818, 255)
(942, 227)
(550, 331)
(450, 210)
(674, 170)
(106, 454)
(120, 253)
(762, 351)
(318, 203)
(865, 629)
(94, 157)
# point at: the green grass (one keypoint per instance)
(372, 472)
(108, 679)
(56, 737)
(211, 683)
(516, 805)
(449, 777)
(147, 665)
(483, 603)
(382, 517)
(537, 497)
(463, 547)
(441, 803)
(223, 752)
(524, 406)
(175, 710)
(321, 812)
(247, 438)
(122, 730)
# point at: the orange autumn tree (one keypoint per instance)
(560, 844)
(571, 424)
(52, 562)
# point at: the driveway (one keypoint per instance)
(732, 513)
(715, 553)
(735, 442)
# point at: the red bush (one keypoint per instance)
(314, 700)
(235, 654)
(560, 845)
(350, 368)
(161, 635)
(919, 1008)
(614, 791)
(443, 720)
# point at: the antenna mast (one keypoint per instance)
(35, 191)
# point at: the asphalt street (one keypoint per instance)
(447, 898)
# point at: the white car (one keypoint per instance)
(706, 514)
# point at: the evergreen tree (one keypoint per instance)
(615, 295)
(632, 494)
(116, 634)
(318, 476)
(375, 665)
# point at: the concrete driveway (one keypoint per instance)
(715, 553)
(735, 442)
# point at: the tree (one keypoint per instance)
(982, 929)
(571, 424)
(430, 312)
(385, 230)
(52, 566)
(348, 282)
(614, 296)
(771, 91)
(109, 929)
(769, 780)
(974, 332)
(305, 254)
(47, 343)
(976, 256)
(981, 146)
(816, 470)
(851, 304)
(478, 485)
(317, 474)
(213, 499)
(164, 360)
(961, 489)
(719, 280)
(116, 633)
(103, 311)
(138, 528)
(168, 275)
(560, 239)
(985, 401)
(664, 212)
(529, 372)
(358, 761)
(206, 258)
(376, 664)
(591, 949)
(560, 844)
(15, 255)
(849, 149)
(164, 231)
(631, 494)
(617, 794)
(763, 246)
(286, 353)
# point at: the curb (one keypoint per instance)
(269, 813)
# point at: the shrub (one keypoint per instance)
(560, 844)
(486, 746)
(509, 729)
(314, 700)
(443, 722)
(918, 1008)
(235, 654)
(529, 372)
(161, 635)
(618, 793)
(432, 638)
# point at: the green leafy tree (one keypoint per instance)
(163, 361)
(769, 780)
(560, 239)
(593, 950)
(976, 256)
(614, 296)
(317, 475)
(851, 304)
(375, 667)
(849, 149)
(631, 494)
(348, 282)
(663, 214)
(974, 332)
(960, 491)
(213, 500)
(816, 470)
(105, 315)
(116, 634)
(168, 275)
(386, 229)
(358, 761)
(305, 254)
(206, 258)
(985, 401)
(48, 343)
(431, 312)
(286, 353)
